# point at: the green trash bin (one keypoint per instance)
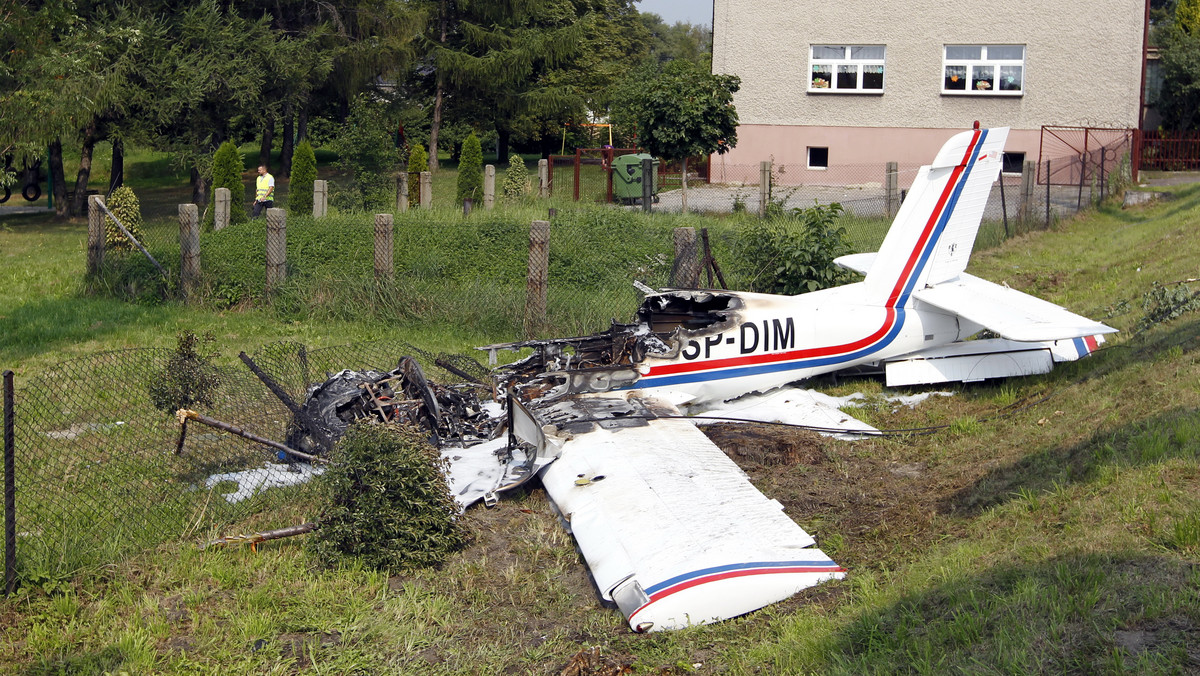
(627, 177)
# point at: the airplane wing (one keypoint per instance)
(1008, 312)
(672, 530)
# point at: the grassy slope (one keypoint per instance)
(1058, 537)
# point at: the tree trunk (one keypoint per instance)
(502, 144)
(268, 135)
(286, 147)
(117, 174)
(61, 208)
(683, 193)
(302, 123)
(85, 169)
(435, 125)
(200, 190)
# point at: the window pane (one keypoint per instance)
(1010, 78)
(963, 52)
(874, 52)
(872, 77)
(847, 77)
(956, 77)
(828, 52)
(1006, 52)
(822, 76)
(982, 78)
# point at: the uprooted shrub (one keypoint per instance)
(189, 378)
(388, 503)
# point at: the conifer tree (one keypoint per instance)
(123, 204)
(304, 172)
(516, 179)
(227, 168)
(417, 162)
(470, 170)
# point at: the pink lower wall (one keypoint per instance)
(855, 153)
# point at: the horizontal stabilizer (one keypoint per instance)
(859, 262)
(1008, 312)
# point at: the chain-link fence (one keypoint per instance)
(101, 470)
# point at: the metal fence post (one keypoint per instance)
(276, 247)
(1048, 175)
(220, 209)
(543, 178)
(384, 270)
(1028, 179)
(95, 239)
(764, 187)
(402, 192)
(539, 273)
(320, 199)
(189, 247)
(892, 178)
(685, 271)
(10, 488)
(489, 186)
(647, 184)
(426, 187)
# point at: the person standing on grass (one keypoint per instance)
(264, 191)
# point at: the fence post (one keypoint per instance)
(764, 187)
(276, 247)
(892, 177)
(543, 178)
(384, 270)
(1028, 179)
(647, 184)
(10, 488)
(426, 187)
(468, 204)
(189, 248)
(220, 209)
(539, 273)
(685, 271)
(1048, 175)
(489, 186)
(320, 199)
(402, 192)
(95, 240)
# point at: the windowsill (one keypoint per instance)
(852, 92)
(817, 168)
(983, 93)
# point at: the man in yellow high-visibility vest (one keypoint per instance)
(264, 191)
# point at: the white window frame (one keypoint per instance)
(848, 60)
(975, 70)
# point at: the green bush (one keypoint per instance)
(516, 179)
(367, 154)
(470, 170)
(304, 173)
(793, 252)
(418, 161)
(227, 169)
(388, 501)
(123, 204)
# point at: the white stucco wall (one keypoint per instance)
(1083, 61)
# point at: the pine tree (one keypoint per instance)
(516, 179)
(227, 168)
(470, 170)
(123, 204)
(417, 162)
(304, 172)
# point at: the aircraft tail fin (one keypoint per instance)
(930, 240)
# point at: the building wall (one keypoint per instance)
(1083, 62)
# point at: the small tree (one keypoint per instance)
(680, 111)
(124, 205)
(367, 154)
(227, 168)
(304, 172)
(516, 179)
(470, 170)
(418, 161)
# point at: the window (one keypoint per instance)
(846, 68)
(1012, 163)
(986, 70)
(818, 158)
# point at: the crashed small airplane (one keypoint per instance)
(673, 532)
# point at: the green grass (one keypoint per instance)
(1054, 529)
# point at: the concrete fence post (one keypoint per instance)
(189, 248)
(384, 270)
(220, 208)
(402, 192)
(539, 273)
(764, 187)
(276, 247)
(95, 239)
(320, 199)
(685, 271)
(426, 190)
(1028, 183)
(543, 178)
(489, 186)
(892, 183)
(648, 179)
